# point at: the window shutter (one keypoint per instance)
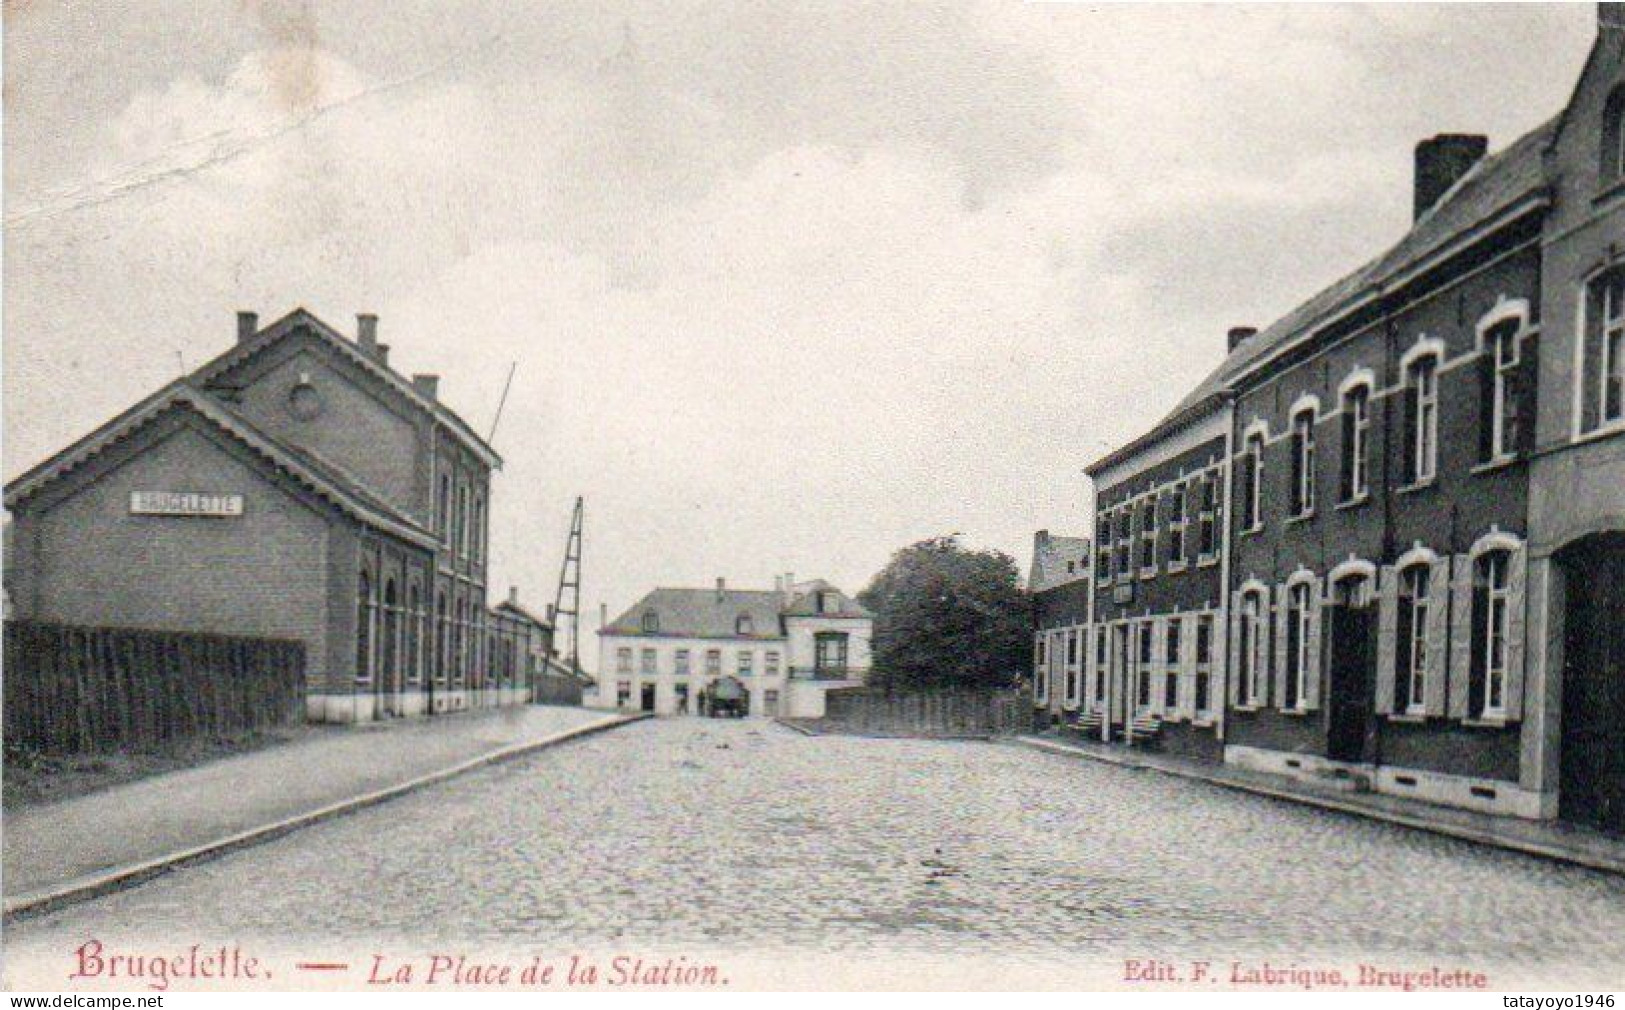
(1437, 632)
(1311, 682)
(1232, 668)
(1527, 374)
(1089, 666)
(1517, 596)
(1387, 637)
(1461, 636)
(1278, 623)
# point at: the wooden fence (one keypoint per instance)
(926, 713)
(70, 689)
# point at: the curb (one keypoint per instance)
(109, 881)
(1460, 832)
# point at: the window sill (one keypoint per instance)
(1421, 485)
(1487, 722)
(1609, 192)
(1296, 713)
(1301, 517)
(1601, 431)
(1204, 722)
(1414, 718)
(1249, 531)
(1147, 573)
(1244, 708)
(1349, 503)
(1496, 464)
(1207, 561)
(1175, 567)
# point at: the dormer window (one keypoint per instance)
(829, 603)
(743, 625)
(651, 622)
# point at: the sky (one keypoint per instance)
(787, 289)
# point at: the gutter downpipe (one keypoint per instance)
(1222, 700)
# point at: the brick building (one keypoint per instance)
(1417, 586)
(1156, 627)
(784, 648)
(1059, 583)
(296, 487)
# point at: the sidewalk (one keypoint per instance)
(1547, 839)
(60, 852)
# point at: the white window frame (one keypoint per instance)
(623, 659)
(1300, 604)
(1356, 403)
(648, 661)
(1173, 643)
(770, 664)
(1148, 534)
(1612, 359)
(1204, 667)
(1255, 622)
(1303, 451)
(1179, 509)
(1497, 621)
(745, 663)
(682, 664)
(1425, 433)
(1416, 650)
(1253, 450)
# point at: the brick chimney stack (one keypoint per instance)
(366, 333)
(1239, 335)
(722, 586)
(248, 324)
(1441, 161)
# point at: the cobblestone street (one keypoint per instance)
(732, 835)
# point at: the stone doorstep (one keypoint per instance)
(108, 881)
(1533, 838)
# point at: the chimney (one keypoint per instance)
(722, 586)
(1611, 14)
(366, 333)
(1440, 162)
(778, 584)
(428, 386)
(513, 595)
(248, 324)
(550, 613)
(1041, 538)
(381, 352)
(1239, 335)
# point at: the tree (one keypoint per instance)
(947, 617)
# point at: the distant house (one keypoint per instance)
(784, 647)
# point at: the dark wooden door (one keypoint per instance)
(1350, 705)
(1593, 761)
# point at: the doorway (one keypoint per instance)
(648, 699)
(1351, 631)
(1593, 715)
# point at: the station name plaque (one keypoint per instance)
(185, 503)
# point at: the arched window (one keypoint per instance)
(363, 627)
(1411, 662)
(1612, 169)
(1303, 462)
(1422, 418)
(1603, 402)
(1252, 648)
(1492, 614)
(1499, 393)
(651, 622)
(459, 655)
(1251, 477)
(442, 652)
(1354, 478)
(414, 633)
(392, 627)
(1299, 656)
